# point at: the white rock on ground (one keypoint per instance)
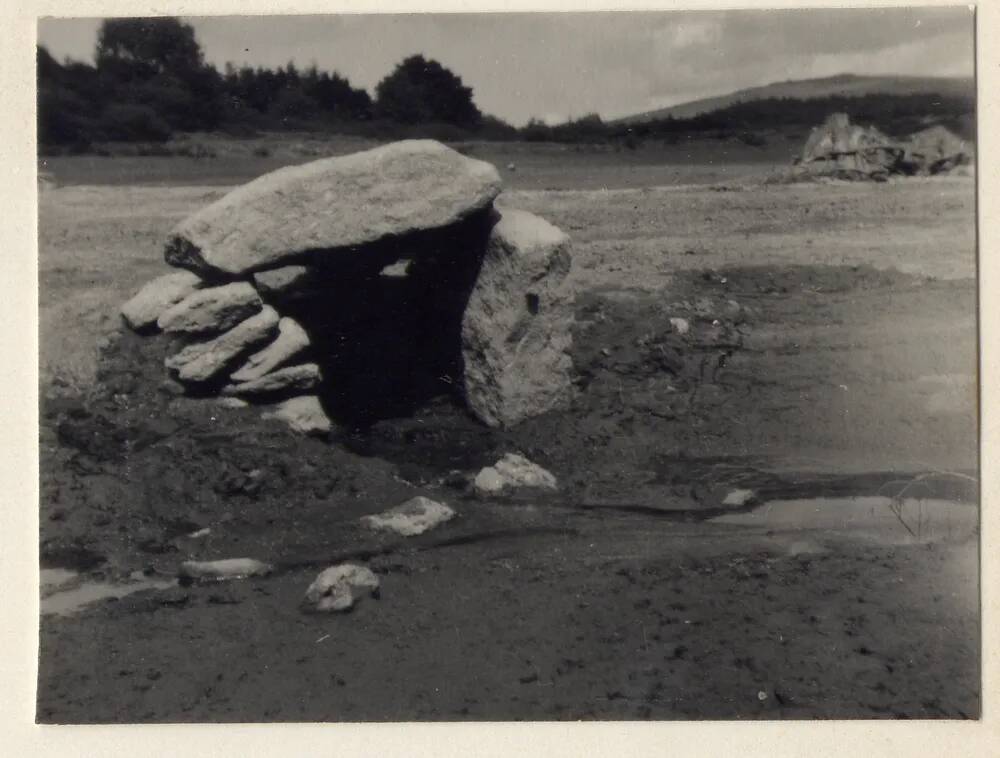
(380, 194)
(338, 588)
(516, 327)
(211, 310)
(513, 471)
(203, 361)
(680, 325)
(304, 414)
(232, 403)
(397, 270)
(488, 481)
(225, 569)
(739, 498)
(291, 340)
(416, 516)
(300, 378)
(149, 303)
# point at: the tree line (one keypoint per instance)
(150, 80)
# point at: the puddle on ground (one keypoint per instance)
(66, 592)
(881, 518)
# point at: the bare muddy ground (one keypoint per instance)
(831, 352)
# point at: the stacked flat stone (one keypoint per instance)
(242, 259)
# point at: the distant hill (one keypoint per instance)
(842, 85)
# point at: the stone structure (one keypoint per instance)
(840, 149)
(360, 286)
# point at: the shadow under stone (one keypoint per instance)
(388, 343)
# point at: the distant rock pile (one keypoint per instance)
(938, 151)
(842, 150)
(360, 286)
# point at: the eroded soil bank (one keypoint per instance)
(617, 597)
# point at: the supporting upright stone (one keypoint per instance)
(516, 327)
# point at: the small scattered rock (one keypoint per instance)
(680, 325)
(224, 570)
(397, 270)
(415, 516)
(513, 471)
(298, 378)
(232, 402)
(739, 498)
(338, 588)
(203, 361)
(304, 414)
(488, 481)
(142, 311)
(291, 340)
(211, 310)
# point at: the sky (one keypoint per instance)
(556, 66)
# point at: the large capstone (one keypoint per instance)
(516, 326)
(335, 207)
